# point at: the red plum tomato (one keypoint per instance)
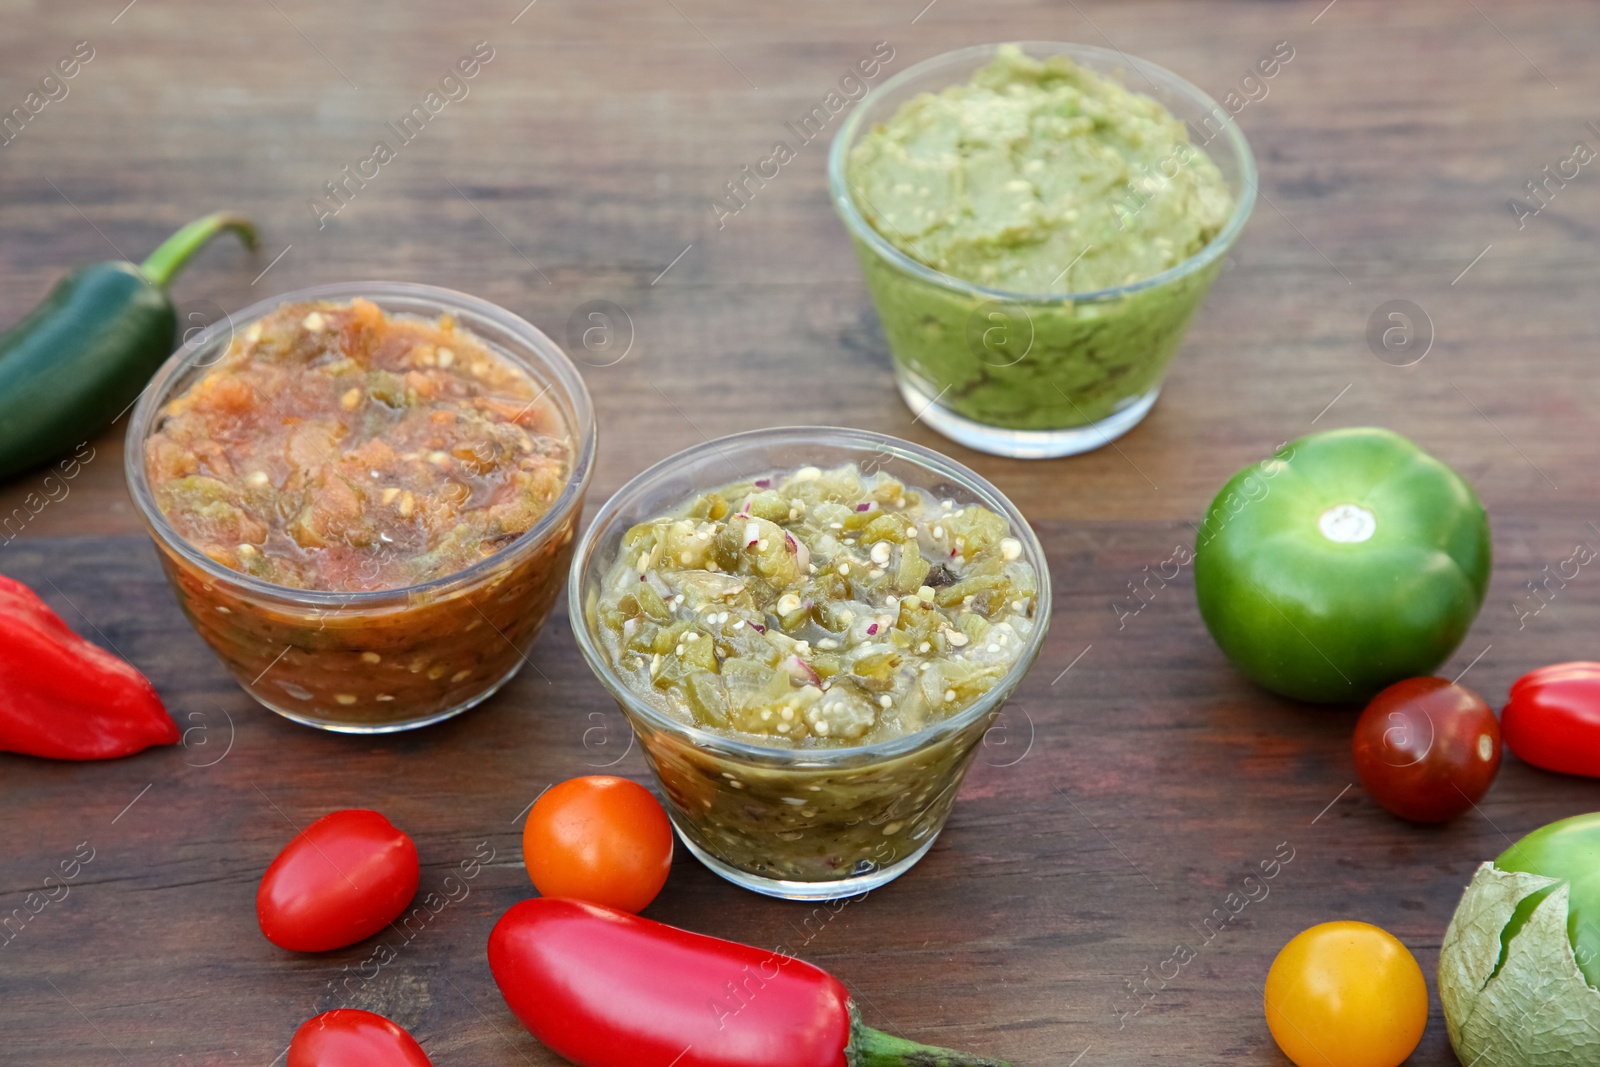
(341, 880)
(1427, 749)
(1553, 718)
(346, 1037)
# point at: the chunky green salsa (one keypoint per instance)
(817, 608)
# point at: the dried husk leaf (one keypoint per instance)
(1536, 1010)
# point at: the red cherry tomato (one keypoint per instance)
(1553, 718)
(344, 878)
(600, 839)
(1426, 749)
(346, 1037)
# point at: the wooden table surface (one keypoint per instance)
(1117, 804)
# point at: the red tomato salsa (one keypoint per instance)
(335, 448)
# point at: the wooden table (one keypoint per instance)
(1136, 778)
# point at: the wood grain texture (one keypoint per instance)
(1111, 811)
(1117, 804)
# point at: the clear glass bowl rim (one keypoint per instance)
(1101, 58)
(550, 358)
(868, 443)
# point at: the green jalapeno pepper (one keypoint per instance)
(79, 359)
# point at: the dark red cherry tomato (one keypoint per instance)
(1553, 718)
(1427, 749)
(346, 1037)
(344, 878)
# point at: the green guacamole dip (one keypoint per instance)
(1037, 177)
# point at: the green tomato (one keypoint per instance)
(1568, 850)
(1349, 560)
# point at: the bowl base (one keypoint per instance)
(1023, 444)
(342, 727)
(792, 890)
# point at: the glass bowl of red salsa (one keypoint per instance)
(365, 496)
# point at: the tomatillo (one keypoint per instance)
(1348, 560)
(1521, 957)
(1568, 850)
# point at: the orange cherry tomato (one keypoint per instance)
(601, 839)
(1346, 994)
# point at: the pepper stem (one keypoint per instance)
(874, 1048)
(165, 262)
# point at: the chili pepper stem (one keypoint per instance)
(874, 1048)
(165, 262)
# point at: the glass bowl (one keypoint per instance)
(394, 659)
(1030, 375)
(802, 823)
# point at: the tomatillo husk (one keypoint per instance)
(1515, 996)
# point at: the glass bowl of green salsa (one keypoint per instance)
(1037, 223)
(809, 629)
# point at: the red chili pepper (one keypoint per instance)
(1553, 718)
(603, 988)
(62, 697)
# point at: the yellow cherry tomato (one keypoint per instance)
(1346, 994)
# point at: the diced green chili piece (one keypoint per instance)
(706, 698)
(912, 572)
(651, 603)
(975, 626)
(671, 673)
(640, 536)
(698, 650)
(644, 639)
(747, 645)
(979, 529)
(952, 595)
(768, 505)
(829, 587)
(876, 667)
(884, 528)
(827, 664)
(744, 679)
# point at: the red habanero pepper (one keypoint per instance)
(62, 697)
(1553, 718)
(604, 988)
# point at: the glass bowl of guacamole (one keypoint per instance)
(810, 630)
(1037, 223)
